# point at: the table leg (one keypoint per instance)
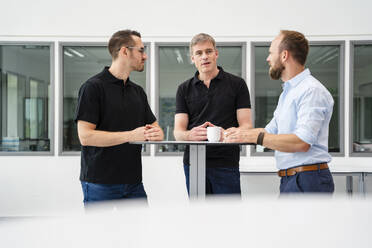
(201, 171)
(197, 172)
(349, 185)
(193, 172)
(361, 184)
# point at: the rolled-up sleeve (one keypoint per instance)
(313, 108)
(272, 126)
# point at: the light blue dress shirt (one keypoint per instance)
(304, 109)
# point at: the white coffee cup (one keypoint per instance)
(213, 134)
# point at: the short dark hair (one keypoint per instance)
(119, 39)
(296, 43)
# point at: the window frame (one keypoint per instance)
(341, 91)
(61, 46)
(51, 99)
(352, 45)
(242, 44)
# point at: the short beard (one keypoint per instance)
(141, 68)
(276, 73)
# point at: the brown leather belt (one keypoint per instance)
(295, 170)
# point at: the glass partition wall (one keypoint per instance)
(361, 114)
(25, 99)
(325, 61)
(26, 90)
(79, 63)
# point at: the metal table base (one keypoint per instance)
(197, 171)
(197, 162)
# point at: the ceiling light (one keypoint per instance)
(325, 55)
(330, 58)
(76, 53)
(179, 56)
(68, 54)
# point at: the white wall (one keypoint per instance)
(185, 18)
(47, 184)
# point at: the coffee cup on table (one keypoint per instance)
(213, 134)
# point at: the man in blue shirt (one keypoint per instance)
(298, 131)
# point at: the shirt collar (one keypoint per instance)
(293, 82)
(196, 79)
(109, 78)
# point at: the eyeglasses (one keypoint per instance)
(139, 49)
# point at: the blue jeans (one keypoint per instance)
(218, 180)
(95, 192)
(319, 181)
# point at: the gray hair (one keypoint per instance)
(199, 38)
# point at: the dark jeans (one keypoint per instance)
(218, 180)
(96, 192)
(319, 181)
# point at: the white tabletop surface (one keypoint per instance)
(168, 142)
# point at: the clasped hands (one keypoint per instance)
(148, 133)
(153, 133)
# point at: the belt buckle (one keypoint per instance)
(288, 171)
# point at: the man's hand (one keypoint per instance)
(199, 133)
(138, 134)
(238, 135)
(153, 133)
(222, 136)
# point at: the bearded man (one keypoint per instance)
(298, 131)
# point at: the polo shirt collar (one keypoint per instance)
(196, 79)
(109, 78)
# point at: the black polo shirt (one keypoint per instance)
(218, 105)
(112, 106)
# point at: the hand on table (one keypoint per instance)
(153, 133)
(138, 134)
(238, 135)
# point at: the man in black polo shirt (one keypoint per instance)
(212, 97)
(111, 112)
